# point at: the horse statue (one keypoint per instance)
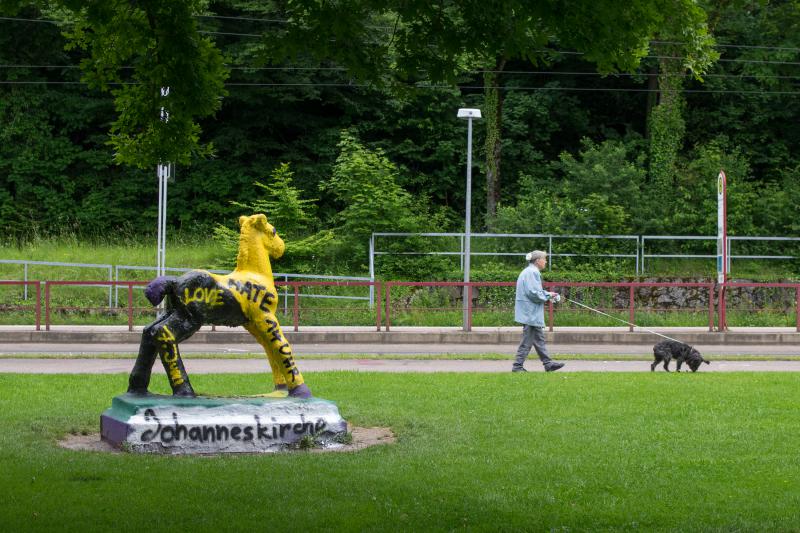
(245, 297)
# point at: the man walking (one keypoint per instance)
(529, 311)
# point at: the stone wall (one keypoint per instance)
(645, 298)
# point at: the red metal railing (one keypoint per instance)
(383, 298)
(723, 297)
(632, 286)
(130, 284)
(389, 284)
(38, 304)
(106, 283)
(297, 284)
(550, 286)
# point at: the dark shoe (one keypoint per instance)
(301, 391)
(552, 367)
(518, 370)
(184, 390)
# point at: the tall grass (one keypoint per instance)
(183, 251)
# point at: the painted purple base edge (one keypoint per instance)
(113, 430)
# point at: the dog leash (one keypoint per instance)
(620, 320)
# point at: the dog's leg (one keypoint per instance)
(680, 362)
(658, 355)
(666, 363)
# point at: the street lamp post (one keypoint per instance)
(164, 173)
(469, 115)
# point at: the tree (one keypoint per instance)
(135, 49)
(291, 215)
(440, 40)
(364, 183)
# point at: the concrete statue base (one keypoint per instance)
(151, 423)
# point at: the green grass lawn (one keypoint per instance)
(542, 452)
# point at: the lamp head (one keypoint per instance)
(469, 113)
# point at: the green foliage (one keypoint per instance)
(597, 192)
(606, 182)
(572, 159)
(695, 195)
(161, 43)
(364, 183)
(291, 215)
(282, 203)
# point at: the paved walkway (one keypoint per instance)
(645, 350)
(409, 345)
(255, 366)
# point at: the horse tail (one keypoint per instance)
(157, 288)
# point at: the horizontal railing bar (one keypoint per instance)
(678, 237)
(275, 274)
(685, 256)
(510, 235)
(53, 263)
(743, 238)
(511, 254)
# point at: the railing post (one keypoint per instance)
(469, 307)
(387, 303)
(130, 305)
(797, 307)
(285, 295)
(372, 271)
(111, 287)
(38, 306)
(550, 314)
(710, 307)
(630, 311)
(637, 254)
(642, 252)
(377, 302)
(721, 319)
(296, 307)
(116, 286)
(47, 306)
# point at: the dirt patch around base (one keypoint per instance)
(362, 438)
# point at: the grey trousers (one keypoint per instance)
(532, 337)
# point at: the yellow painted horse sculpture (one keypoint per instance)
(245, 297)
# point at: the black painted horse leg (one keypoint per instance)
(176, 328)
(139, 380)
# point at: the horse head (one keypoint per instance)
(256, 227)
(258, 241)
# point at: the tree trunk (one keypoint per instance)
(493, 114)
(652, 97)
(667, 126)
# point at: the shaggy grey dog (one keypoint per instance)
(667, 350)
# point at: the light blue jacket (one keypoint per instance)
(530, 298)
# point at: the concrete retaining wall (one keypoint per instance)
(510, 336)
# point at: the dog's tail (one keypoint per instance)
(157, 288)
(706, 361)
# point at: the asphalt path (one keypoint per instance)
(77, 358)
(254, 366)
